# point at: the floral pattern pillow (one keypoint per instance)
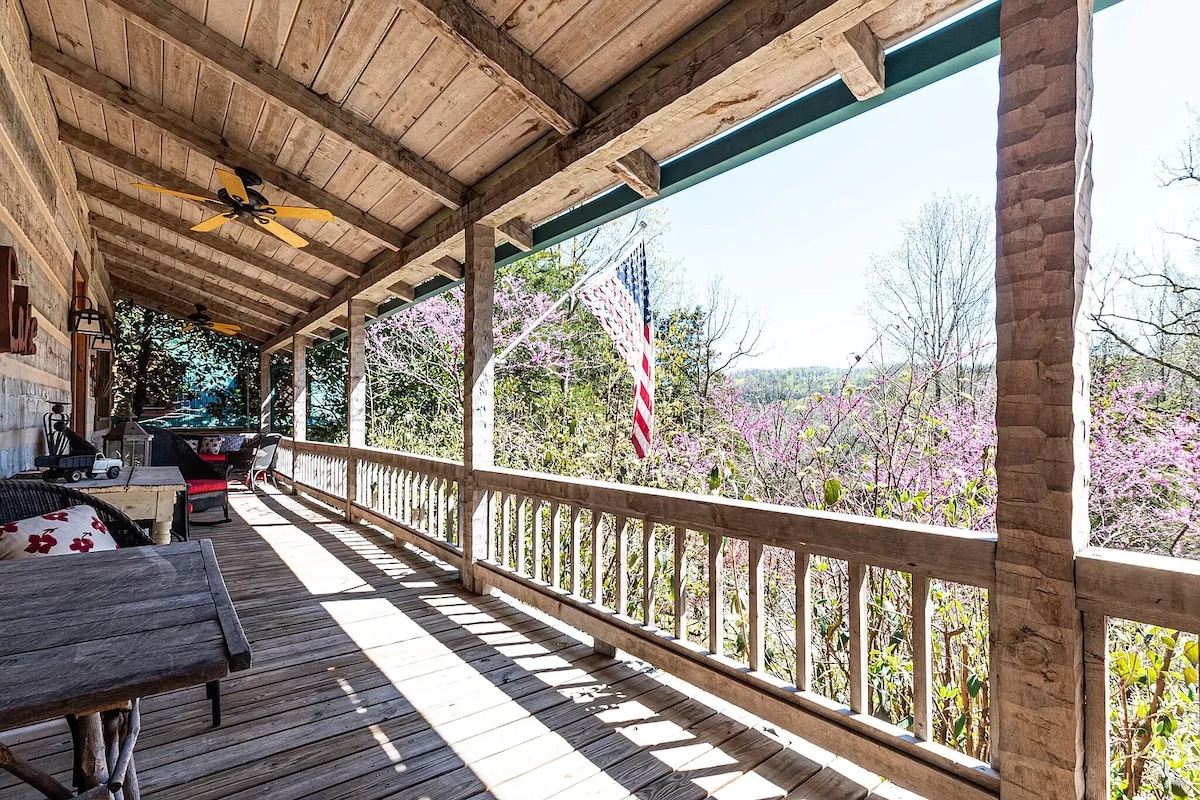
(194, 444)
(73, 530)
(211, 445)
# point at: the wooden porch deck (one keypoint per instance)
(376, 676)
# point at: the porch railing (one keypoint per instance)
(594, 555)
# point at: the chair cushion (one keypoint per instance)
(73, 530)
(194, 444)
(213, 458)
(211, 445)
(232, 442)
(206, 485)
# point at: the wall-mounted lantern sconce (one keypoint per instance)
(85, 319)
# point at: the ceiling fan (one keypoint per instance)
(242, 201)
(201, 319)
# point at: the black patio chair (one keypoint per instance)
(263, 463)
(22, 499)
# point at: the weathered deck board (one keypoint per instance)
(376, 676)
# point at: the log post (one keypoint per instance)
(266, 392)
(1043, 236)
(356, 396)
(299, 399)
(478, 394)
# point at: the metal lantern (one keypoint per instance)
(85, 319)
(129, 442)
(102, 343)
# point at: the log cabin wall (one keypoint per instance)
(42, 218)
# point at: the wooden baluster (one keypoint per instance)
(597, 557)
(538, 536)
(621, 562)
(649, 570)
(716, 605)
(555, 547)
(576, 546)
(680, 567)
(489, 505)
(522, 534)
(858, 637)
(756, 647)
(922, 627)
(803, 620)
(506, 530)
(1096, 706)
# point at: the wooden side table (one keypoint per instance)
(142, 493)
(84, 636)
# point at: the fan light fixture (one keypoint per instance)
(237, 200)
(85, 319)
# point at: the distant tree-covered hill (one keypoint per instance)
(762, 386)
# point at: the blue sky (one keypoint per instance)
(793, 233)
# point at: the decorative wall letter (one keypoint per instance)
(18, 326)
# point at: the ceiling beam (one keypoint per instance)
(495, 54)
(518, 232)
(147, 212)
(215, 51)
(114, 94)
(730, 45)
(174, 306)
(640, 172)
(116, 157)
(139, 267)
(449, 267)
(857, 55)
(248, 286)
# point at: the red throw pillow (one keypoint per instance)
(73, 530)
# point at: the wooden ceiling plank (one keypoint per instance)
(731, 43)
(177, 306)
(235, 279)
(213, 49)
(640, 172)
(857, 55)
(105, 153)
(500, 58)
(149, 214)
(154, 270)
(206, 141)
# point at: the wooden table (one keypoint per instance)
(85, 635)
(142, 493)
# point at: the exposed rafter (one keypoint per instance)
(175, 225)
(449, 267)
(139, 267)
(243, 67)
(200, 266)
(503, 60)
(857, 55)
(176, 305)
(640, 172)
(212, 144)
(116, 157)
(517, 231)
(732, 43)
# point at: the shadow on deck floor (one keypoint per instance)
(376, 676)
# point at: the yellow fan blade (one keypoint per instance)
(283, 233)
(187, 328)
(233, 184)
(184, 195)
(212, 223)
(227, 328)
(300, 212)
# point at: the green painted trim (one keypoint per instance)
(960, 45)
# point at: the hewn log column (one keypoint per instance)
(1043, 232)
(299, 399)
(478, 393)
(265, 392)
(356, 394)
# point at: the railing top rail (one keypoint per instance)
(961, 556)
(442, 467)
(1159, 590)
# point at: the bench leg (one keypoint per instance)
(213, 690)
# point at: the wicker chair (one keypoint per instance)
(23, 498)
(208, 487)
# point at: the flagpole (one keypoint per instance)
(614, 255)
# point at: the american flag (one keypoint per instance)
(620, 299)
